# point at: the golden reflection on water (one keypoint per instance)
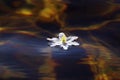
(103, 61)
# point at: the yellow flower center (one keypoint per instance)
(63, 39)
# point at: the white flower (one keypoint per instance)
(63, 41)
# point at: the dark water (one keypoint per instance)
(25, 53)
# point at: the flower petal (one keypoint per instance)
(71, 38)
(52, 39)
(65, 47)
(75, 43)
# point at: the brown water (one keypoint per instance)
(26, 55)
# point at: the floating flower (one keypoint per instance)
(63, 41)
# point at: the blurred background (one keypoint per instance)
(25, 53)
